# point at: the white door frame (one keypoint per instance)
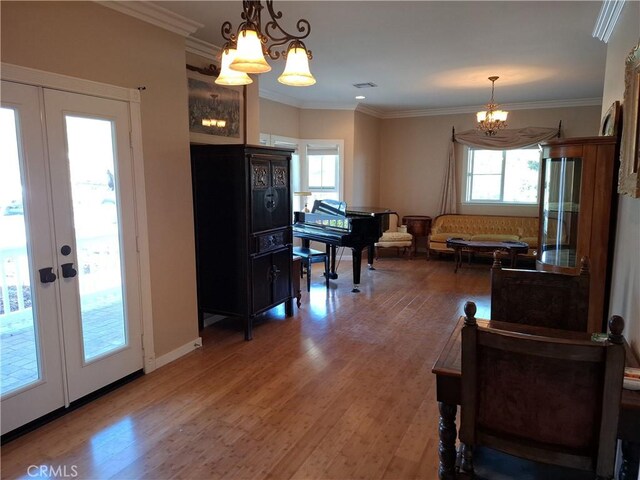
(39, 78)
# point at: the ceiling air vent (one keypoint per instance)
(365, 85)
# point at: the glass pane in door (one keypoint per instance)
(561, 210)
(18, 332)
(91, 153)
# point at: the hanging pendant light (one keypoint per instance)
(492, 119)
(296, 71)
(249, 58)
(256, 40)
(228, 76)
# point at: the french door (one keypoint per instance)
(70, 300)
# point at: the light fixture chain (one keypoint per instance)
(253, 42)
(279, 36)
(492, 119)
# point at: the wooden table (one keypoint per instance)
(448, 390)
(458, 245)
(419, 226)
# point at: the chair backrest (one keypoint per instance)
(544, 299)
(393, 222)
(542, 395)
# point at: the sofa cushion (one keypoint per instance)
(483, 228)
(490, 237)
(443, 237)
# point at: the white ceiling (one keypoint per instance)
(428, 56)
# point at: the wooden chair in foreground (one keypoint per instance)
(543, 299)
(542, 396)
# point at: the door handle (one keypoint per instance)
(68, 271)
(47, 275)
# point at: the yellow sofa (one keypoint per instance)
(482, 228)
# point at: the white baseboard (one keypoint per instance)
(178, 352)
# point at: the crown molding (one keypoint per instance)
(430, 112)
(202, 48)
(373, 112)
(155, 15)
(607, 19)
(328, 106)
(578, 102)
(280, 98)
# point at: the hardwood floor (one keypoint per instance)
(341, 390)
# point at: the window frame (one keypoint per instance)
(299, 164)
(468, 179)
(315, 145)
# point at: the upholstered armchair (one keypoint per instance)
(395, 236)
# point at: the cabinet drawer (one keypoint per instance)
(271, 241)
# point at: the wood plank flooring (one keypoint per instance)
(341, 390)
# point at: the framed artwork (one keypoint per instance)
(610, 125)
(628, 178)
(216, 113)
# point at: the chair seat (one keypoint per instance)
(492, 464)
(400, 244)
(396, 237)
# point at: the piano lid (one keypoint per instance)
(330, 207)
(372, 211)
(334, 207)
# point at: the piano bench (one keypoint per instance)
(310, 256)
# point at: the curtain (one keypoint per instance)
(505, 139)
(448, 202)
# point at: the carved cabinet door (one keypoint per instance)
(269, 193)
(270, 276)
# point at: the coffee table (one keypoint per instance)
(458, 245)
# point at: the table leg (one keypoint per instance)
(466, 462)
(630, 460)
(448, 434)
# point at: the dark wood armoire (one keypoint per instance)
(578, 214)
(242, 217)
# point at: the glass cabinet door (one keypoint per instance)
(560, 211)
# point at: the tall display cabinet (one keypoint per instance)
(578, 214)
(242, 217)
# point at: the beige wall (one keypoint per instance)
(400, 163)
(359, 132)
(414, 156)
(279, 119)
(366, 160)
(333, 124)
(625, 289)
(88, 41)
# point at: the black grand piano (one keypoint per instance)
(330, 222)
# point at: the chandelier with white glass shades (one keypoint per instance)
(245, 50)
(492, 119)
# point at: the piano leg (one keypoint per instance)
(331, 253)
(357, 263)
(371, 253)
